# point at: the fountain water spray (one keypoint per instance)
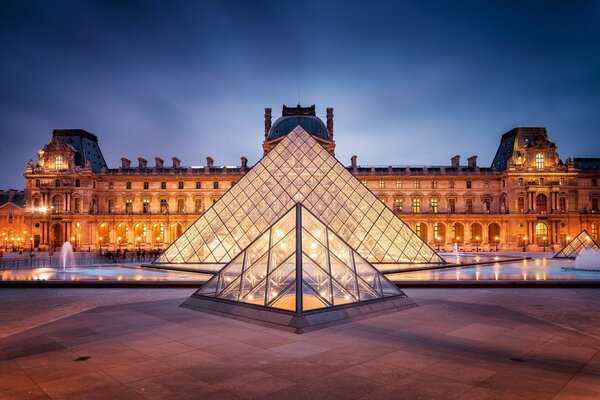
(588, 259)
(66, 255)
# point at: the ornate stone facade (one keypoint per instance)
(528, 197)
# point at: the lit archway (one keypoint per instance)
(541, 233)
(476, 232)
(175, 232)
(421, 230)
(458, 232)
(494, 233)
(139, 234)
(439, 232)
(103, 234)
(122, 234)
(158, 233)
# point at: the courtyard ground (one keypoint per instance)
(138, 344)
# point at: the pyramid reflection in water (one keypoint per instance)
(298, 275)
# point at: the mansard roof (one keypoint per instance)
(86, 145)
(15, 197)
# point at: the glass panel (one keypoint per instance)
(316, 278)
(310, 300)
(343, 275)
(254, 275)
(257, 295)
(287, 301)
(232, 292)
(257, 249)
(340, 295)
(232, 271)
(314, 249)
(283, 250)
(210, 287)
(280, 278)
(339, 248)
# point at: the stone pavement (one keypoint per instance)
(138, 344)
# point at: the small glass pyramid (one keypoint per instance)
(298, 169)
(299, 265)
(579, 243)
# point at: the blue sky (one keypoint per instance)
(411, 82)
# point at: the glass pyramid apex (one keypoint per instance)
(579, 243)
(298, 169)
(298, 265)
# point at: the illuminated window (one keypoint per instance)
(58, 162)
(562, 204)
(416, 205)
(381, 184)
(542, 203)
(111, 206)
(398, 202)
(539, 160)
(520, 182)
(57, 203)
(541, 233)
(421, 230)
(398, 184)
(416, 184)
(181, 206)
(595, 205)
(197, 206)
(562, 182)
(111, 185)
(129, 206)
(434, 184)
(383, 199)
(77, 205)
(146, 206)
(164, 206)
(434, 205)
(595, 231)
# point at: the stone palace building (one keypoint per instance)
(527, 198)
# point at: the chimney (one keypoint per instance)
(267, 121)
(244, 163)
(472, 161)
(176, 162)
(455, 161)
(142, 163)
(159, 162)
(210, 162)
(354, 167)
(330, 122)
(125, 163)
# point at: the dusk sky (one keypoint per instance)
(412, 82)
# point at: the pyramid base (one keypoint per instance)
(298, 322)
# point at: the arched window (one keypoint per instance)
(541, 233)
(158, 233)
(122, 233)
(176, 231)
(103, 234)
(541, 203)
(539, 160)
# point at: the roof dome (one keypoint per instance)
(311, 124)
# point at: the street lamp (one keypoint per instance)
(477, 244)
(544, 243)
(100, 242)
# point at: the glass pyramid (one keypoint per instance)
(580, 242)
(299, 169)
(299, 265)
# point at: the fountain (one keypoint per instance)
(588, 259)
(455, 252)
(66, 255)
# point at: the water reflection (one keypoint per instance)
(100, 273)
(541, 269)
